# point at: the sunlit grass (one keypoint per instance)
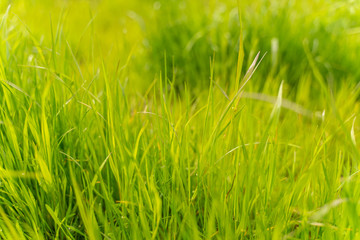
(143, 120)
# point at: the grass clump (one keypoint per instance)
(148, 122)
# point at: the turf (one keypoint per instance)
(179, 119)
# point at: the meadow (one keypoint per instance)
(179, 119)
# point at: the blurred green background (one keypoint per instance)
(194, 31)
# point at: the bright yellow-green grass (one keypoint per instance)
(179, 119)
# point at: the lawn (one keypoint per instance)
(179, 119)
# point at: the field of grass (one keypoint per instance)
(179, 119)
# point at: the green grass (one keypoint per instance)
(179, 119)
